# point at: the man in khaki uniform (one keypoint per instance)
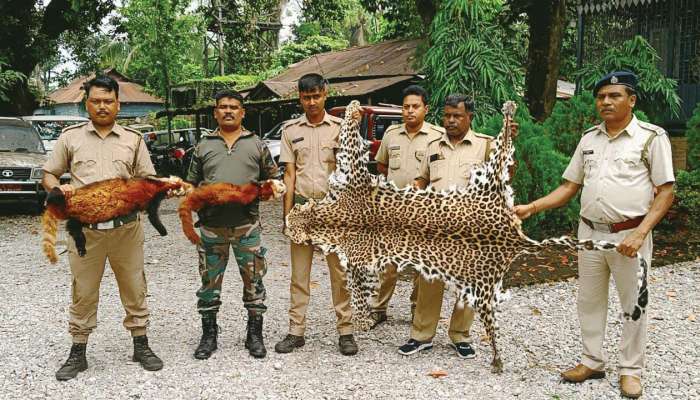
(398, 158)
(447, 163)
(618, 165)
(91, 152)
(308, 148)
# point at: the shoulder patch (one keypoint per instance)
(651, 127)
(69, 128)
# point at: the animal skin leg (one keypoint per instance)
(75, 230)
(153, 216)
(359, 297)
(488, 318)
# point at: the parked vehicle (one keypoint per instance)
(50, 127)
(22, 155)
(171, 155)
(375, 121)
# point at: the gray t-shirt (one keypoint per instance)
(248, 160)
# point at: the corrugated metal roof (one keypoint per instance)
(129, 92)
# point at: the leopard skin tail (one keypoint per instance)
(634, 312)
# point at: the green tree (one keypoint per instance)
(467, 54)
(162, 32)
(30, 32)
(291, 53)
(657, 93)
(693, 136)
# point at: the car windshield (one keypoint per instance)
(51, 129)
(20, 139)
(274, 133)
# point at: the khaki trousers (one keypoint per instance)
(302, 256)
(595, 268)
(123, 247)
(428, 306)
(387, 285)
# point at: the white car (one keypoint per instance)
(272, 139)
(51, 126)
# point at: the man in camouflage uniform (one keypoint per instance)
(234, 155)
(399, 158)
(624, 170)
(95, 151)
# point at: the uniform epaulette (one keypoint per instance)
(69, 128)
(393, 128)
(651, 127)
(335, 119)
(483, 136)
(290, 122)
(437, 129)
(591, 129)
(132, 130)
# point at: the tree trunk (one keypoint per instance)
(547, 24)
(427, 10)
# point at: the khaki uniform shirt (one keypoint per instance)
(617, 185)
(311, 148)
(403, 154)
(446, 165)
(90, 158)
(248, 160)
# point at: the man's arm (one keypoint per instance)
(57, 164)
(557, 198)
(290, 173)
(659, 207)
(194, 172)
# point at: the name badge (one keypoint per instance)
(434, 157)
(394, 147)
(587, 152)
(297, 140)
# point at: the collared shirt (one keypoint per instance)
(617, 185)
(447, 165)
(248, 160)
(403, 154)
(312, 148)
(90, 158)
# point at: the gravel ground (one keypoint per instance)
(539, 335)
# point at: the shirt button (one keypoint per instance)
(597, 199)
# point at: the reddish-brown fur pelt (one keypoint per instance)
(222, 193)
(103, 201)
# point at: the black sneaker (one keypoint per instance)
(413, 346)
(464, 349)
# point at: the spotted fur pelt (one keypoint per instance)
(223, 193)
(465, 237)
(102, 201)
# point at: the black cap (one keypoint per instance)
(625, 78)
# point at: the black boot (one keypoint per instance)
(144, 355)
(254, 338)
(75, 363)
(207, 344)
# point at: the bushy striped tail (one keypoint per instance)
(49, 223)
(639, 308)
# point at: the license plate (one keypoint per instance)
(10, 188)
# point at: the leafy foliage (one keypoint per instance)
(395, 20)
(467, 55)
(8, 78)
(657, 94)
(693, 136)
(291, 53)
(163, 31)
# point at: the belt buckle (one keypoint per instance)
(607, 228)
(106, 225)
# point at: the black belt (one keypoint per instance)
(114, 223)
(616, 227)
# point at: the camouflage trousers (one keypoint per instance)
(213, 258)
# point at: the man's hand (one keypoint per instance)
(524, 211)
(630, 246)
(357, 115)
(67, 190)
(514, 128)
